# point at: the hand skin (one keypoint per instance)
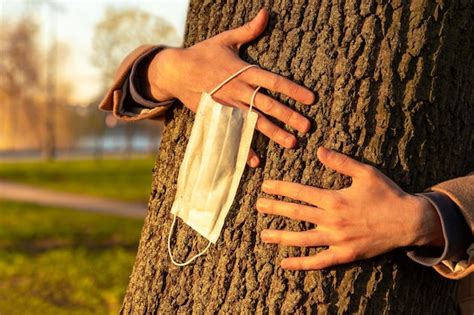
(371, 217)
(184, 73)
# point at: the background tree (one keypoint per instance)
(122, 30)
(395, 89)
(20, 81)
(25, 106)
(118, 33)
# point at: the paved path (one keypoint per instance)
(20, 192)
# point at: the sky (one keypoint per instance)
(75, 27)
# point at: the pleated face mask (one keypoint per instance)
(213, 164)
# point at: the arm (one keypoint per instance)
(371, 217)
(184, 73)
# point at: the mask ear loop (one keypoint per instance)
(171, 255)
(252, 100)
(231, 77)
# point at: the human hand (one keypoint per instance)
(185, 73)
(371, 217)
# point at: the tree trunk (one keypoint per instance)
(395, 89)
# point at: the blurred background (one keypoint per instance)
(74, 181)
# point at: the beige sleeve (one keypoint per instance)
(114, 95)
(461, 191)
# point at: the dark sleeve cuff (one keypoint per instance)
(137, 82)
(457, 234)
(126, 105)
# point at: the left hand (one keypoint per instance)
(371, 217)
(184, 73)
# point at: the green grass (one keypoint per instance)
(60, 261)
(127, 180)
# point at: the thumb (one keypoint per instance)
(340, 162)
(247, 32)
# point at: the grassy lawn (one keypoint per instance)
(59, 261)
(128, 180)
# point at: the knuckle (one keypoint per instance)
(338, 223)
(335, 202)
(275, 82)
(342, 160)
(351, 254)
(277, 238)
(267, 105)
(293, 89)
(277, 188)
(298, 265)
(285, 240)
(270, 207)
(322, 263)
(296, 192)
(274, 132)
(314, 237)
(296, 211)
(248, 28)
(347, 237)
(261, 121)
(370, 171)
(291, 118)
(340, 237)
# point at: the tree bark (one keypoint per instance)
(394, 82)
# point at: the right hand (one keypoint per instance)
(184, 73)
(371, 217)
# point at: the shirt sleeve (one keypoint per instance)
(457, 234)
(137, 83)
(119, 98)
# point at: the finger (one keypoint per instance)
(253, 160)
(321, 260)
(272, 131)
(247, 32)
(341, 162)
(269, 129)
(290, 210)
(274, 82)
(281, 112)
(309, 194)
(290, 238)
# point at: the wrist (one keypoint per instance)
(427, 229)
(158, 74)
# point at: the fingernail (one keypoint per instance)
(323, 152)
(262, 204)
(265, 235)
(284, 264)
(305, 126)
(254, 161)
(312, 98)
(290, 141)
(268, 185)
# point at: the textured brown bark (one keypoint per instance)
(395, 88)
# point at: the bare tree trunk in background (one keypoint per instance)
(395, 89)
(49, 144)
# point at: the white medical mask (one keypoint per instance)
(213, 164)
